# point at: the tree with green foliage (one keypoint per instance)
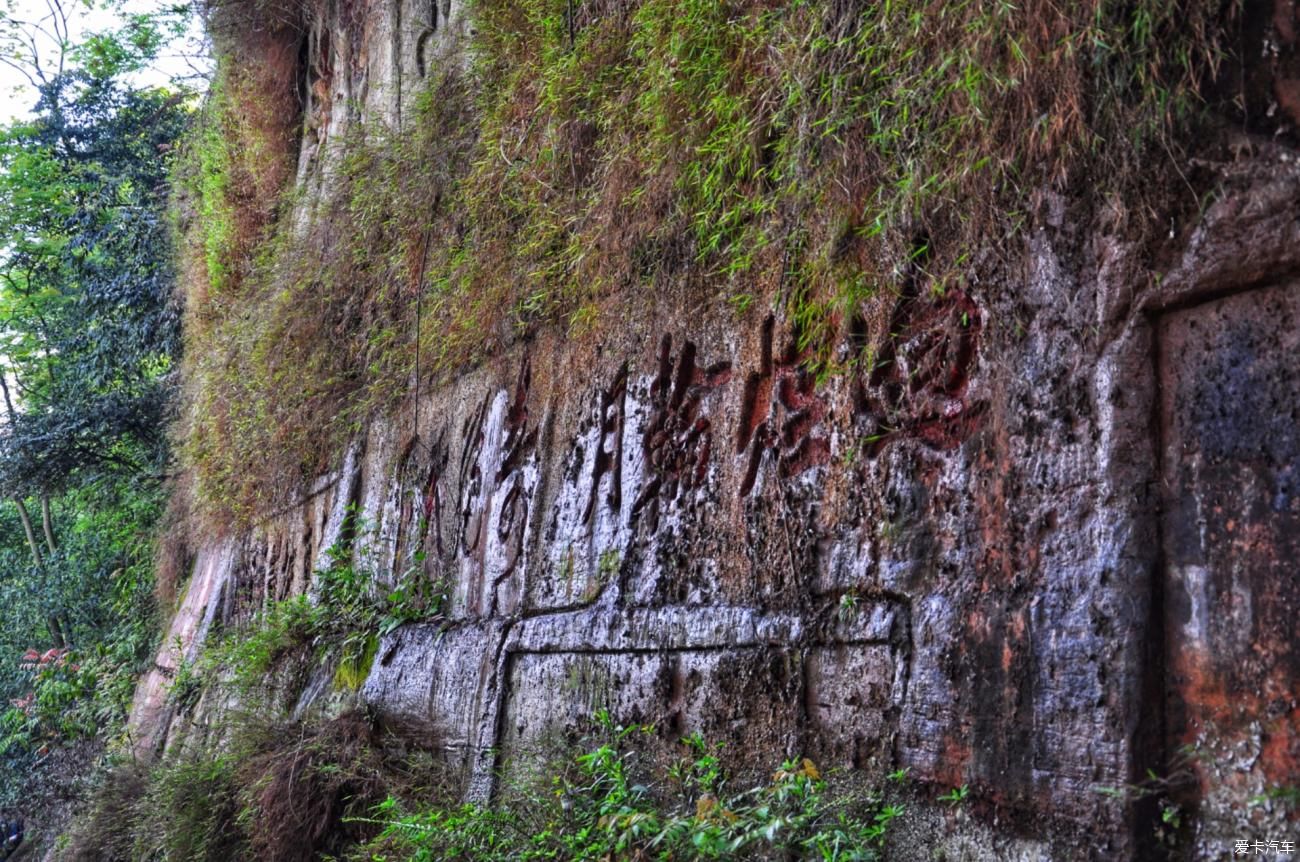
(89, 339)
(90, 331)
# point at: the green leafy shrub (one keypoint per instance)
(598, 810)
(350, 611)
(99, 586)
(246, 654)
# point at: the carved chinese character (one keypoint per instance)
(496, 490)
(781, 414)
(917, 381)
(679, 439)
(609, 447)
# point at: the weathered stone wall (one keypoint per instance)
(1045, 543)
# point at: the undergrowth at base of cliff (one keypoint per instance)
(64, 703)
(265, 790)
(800, 155)
(597, 809)
(344, 790)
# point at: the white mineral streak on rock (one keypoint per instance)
(473, 593)
(510, 537)
(349, 477)
(588, 538)
(185, 637)
(379, 509)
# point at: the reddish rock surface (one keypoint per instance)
(1230, 483)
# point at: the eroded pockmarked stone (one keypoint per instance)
(1230, 398)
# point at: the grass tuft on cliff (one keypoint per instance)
(282, 791)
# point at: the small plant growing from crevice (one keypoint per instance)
(186, 686)
(956, 796)
(1170, 822)
(1287, 795)
(1157, 793)
(606, 570)
(848, 606)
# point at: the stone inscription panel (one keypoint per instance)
(834, 703)
(1229, 373)
(430, 682)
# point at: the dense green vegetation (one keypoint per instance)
(803, 156)
(96, 591)
(342, 789)
(598, 808)
(88, 347)
(91, 329)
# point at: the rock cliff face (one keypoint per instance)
(1043, 543)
